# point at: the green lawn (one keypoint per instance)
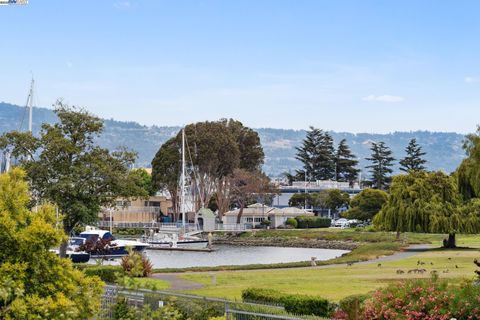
(337, 282)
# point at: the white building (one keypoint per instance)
(254, 214)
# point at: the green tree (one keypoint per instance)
(365, 205)
(299, 200)
(34, 282)
(468, 172)
(214, 149)
(345, 163)
(317, 156)
(426, 202)
(319, 199)
(413, 161)
(325, 165)
(166, 167)
(66, 167)
(246, 187)
(380, 169)
(307, 154)
(337, 199)
(144, 180)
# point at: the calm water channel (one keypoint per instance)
(235, 255)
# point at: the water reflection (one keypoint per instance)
(235, 255)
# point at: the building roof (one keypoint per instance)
(258, 209)
(255, 209)
(292, 211)
(206, 213)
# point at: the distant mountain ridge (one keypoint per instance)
(444, 149)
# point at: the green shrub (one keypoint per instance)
(351, 306)
(107, 273)
(293, 303)
(291, 222)
(305, 222)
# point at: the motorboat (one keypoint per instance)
(175, 240)
(114, 248)
(74, 251)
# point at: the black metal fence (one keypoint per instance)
(201, 307)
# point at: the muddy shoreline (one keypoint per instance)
(285, 242)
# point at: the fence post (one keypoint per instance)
(227, 314)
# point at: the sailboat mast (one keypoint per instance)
(183, 179)
(30, 106)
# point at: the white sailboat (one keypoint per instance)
(180, 238)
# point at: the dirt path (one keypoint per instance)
(179, 284)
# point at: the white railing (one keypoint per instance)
(233, 226)
(149, 225)
(133, 210)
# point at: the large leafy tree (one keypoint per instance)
(381, 167)
(469, 170)
(166, 167)
(366, 204)
(214, 150)
(337, 199)
(34, 282)
(65, 166)
(414, 160)
(426, 202)
(246, 187)
(345, 163)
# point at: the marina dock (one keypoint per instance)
(182, 249)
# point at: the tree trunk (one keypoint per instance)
(240, 213)
(398, 236)
(450, 242)
(63, 249)
(62, 252)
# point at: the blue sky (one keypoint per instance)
(357, 66)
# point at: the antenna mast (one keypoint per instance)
(183, 179)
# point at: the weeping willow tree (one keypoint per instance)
(468, 172)
(430, 203)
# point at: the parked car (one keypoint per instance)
(342, 223)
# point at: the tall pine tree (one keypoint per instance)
(307, 154)
(380, 169)
(413, 161)
(317, 155)
(325, 164)
(345, 163)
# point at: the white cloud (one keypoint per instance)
(122, 5)
(383, 98)
(471, 79)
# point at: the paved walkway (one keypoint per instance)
(176, 283)
(179, 284)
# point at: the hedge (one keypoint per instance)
(291, 222)
(108, 274)
(293, 303)
(305, 222)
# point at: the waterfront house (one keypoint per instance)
(254, 215)
(146, 210)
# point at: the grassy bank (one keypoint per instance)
(338, 282)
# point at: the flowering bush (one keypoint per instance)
(424, 299)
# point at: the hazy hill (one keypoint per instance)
(444, 150)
